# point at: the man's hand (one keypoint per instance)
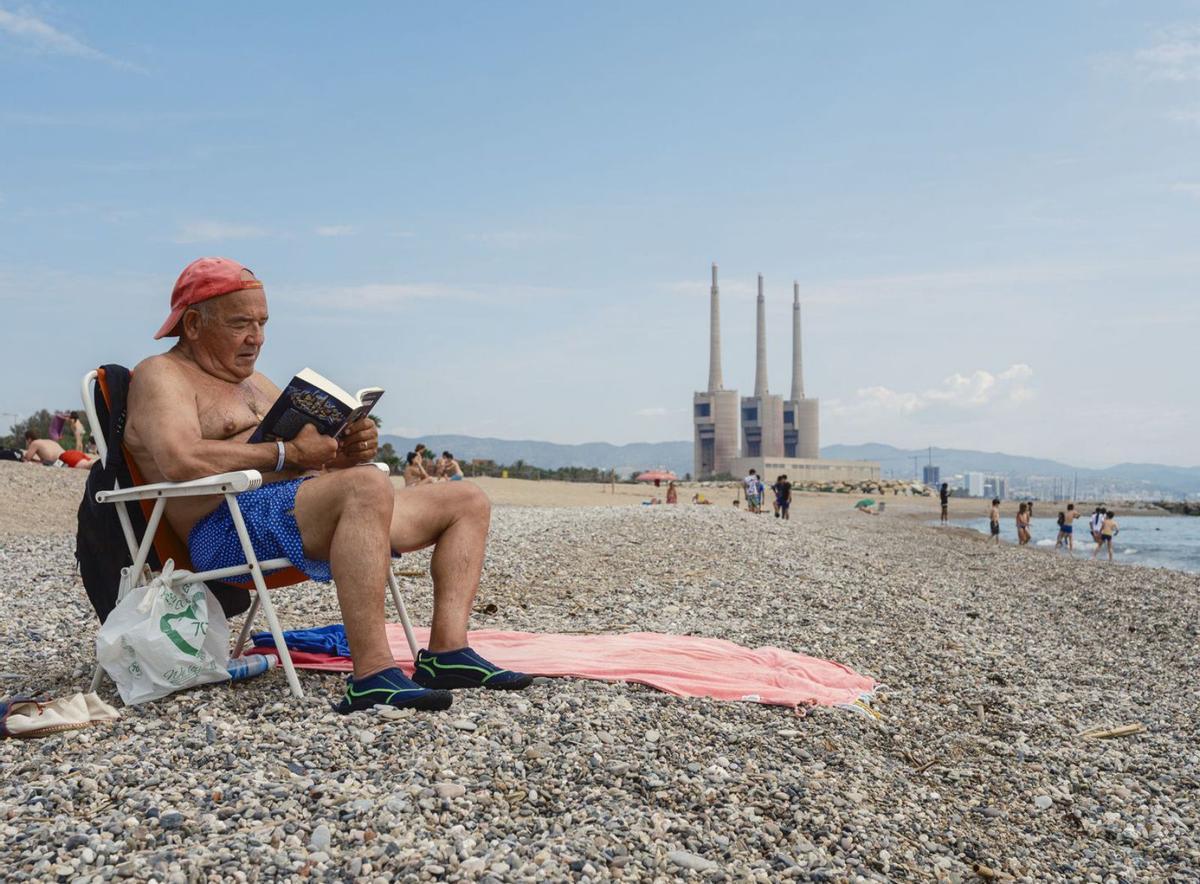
(310, 450)
(359, 443)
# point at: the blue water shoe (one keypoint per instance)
(391, 687)
(465, 669)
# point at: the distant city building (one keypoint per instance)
(931, 475)
(973, 483)
(995, 486)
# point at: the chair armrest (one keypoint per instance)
(225, 483)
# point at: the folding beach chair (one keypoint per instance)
(158, 533)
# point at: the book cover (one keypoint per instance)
(310, 398)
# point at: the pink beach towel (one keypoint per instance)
(684, 665)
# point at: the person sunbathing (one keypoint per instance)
(48, 452)
(43, 451)
(190, 412)
(414, 472)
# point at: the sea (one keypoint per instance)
(1150, 541)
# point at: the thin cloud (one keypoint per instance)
(959, 392)
(518, 239)
(43, 37)
(213, 231)
(1190, 188)
(1175, 57)
(373, 296)
(335, 230)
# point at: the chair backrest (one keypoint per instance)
(167, 544)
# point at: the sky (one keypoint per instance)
(505, 214)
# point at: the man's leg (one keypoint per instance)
(343, 518)
(455, 516)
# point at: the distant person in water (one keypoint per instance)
(994, 517)
(1108, 530)
(1068, 527)
(1023, 534)
(944, 494)
(1062, 520)
(1096, 522)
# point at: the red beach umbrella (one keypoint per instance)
(657, 476)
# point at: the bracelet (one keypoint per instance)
(279, 460)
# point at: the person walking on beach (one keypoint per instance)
(1108, 530)
(751, 483)
(76, 427)
(994, 518)
(944, 494)
(1023, 534)
(672, 494)
(783, 497)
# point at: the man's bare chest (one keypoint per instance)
(230, 410)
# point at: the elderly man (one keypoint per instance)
(191, 411)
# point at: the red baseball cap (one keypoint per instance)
(204, 278)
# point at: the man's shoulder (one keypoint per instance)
(160, 366)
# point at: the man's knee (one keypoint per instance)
(473, 502)
(365, 489)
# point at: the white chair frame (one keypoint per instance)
(229, 485)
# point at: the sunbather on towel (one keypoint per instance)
(191, 411)
(43, 451)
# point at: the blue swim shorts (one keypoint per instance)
(270, 516)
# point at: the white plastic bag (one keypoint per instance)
(163, 637)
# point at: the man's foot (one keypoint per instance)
(391, 687)
(465, 669)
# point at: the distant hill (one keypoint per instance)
(1129, 479)
(675, 456)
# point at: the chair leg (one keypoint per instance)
(394, 586)
(264, 596)
(244, 635)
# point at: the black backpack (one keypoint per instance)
(100, 548)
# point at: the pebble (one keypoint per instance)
(464, 724)
(450, 790)
(691, 861)
(321, 838)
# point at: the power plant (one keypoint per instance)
(777, 436)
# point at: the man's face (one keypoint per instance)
(226, 344)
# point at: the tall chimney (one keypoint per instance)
(797, 361)
(714, 336)
(760, 350)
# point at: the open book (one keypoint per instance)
(311, 399)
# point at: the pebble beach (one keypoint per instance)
(991, 755)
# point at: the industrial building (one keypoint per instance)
(777, 436)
